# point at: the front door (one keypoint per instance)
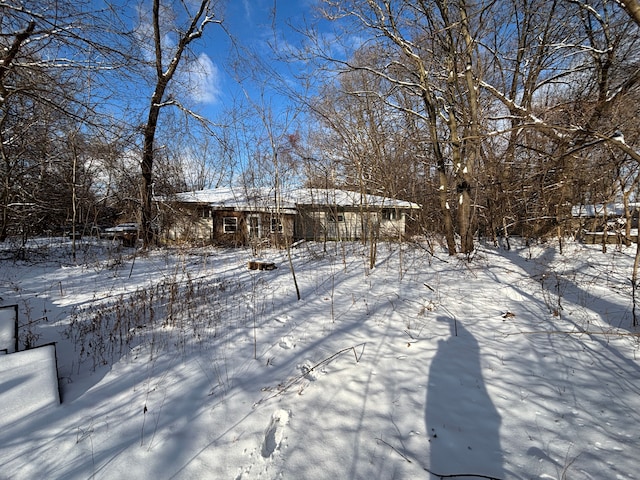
(254, 226)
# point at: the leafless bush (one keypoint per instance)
(176, 313)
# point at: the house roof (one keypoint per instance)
(343, 198)
(598, 210)
(224, 197)
(239, 198)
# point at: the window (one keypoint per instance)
(229, 224)
(253, 223)
(276, 225)
(204, 212)
(390, 214)
(336, 217)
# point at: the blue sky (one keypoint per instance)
(252, 24)
(212, 90)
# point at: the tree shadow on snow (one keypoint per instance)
(463, 425)
(567, 283)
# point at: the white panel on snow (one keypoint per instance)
(8, 329)
(28, 383)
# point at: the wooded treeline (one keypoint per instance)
(497, 116)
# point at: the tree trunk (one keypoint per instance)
(443, 189)
(472, 141)
(194, 31)
(632, 7)
(147, 169)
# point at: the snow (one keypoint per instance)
(518, 364)
(241, 198)
(344, 198)
(227, 197)
(123, 227)
(590, 211)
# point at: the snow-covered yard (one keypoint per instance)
(184, 364)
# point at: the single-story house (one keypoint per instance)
(331, 214)
(599, 223)
(240, 216)
(598, 210)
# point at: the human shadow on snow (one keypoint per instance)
(462, 424)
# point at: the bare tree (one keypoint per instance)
(574, 67)
(165, 68)
(367, 141)
(23, 107)
(273, 167)
(515, 100)
(429, 49)
(52, 55)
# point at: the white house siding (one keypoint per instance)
(347, 225)
(190, 228)
(393, 228)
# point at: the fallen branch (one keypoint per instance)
(439, 475)
(297, 379)
(461, 475)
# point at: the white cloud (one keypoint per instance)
(203, 80)
(199, 78)
(247, 10)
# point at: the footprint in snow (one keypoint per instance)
(274, 433)
(307, 371)
(283, 320)
(287, 342)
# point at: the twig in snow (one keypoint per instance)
(306, 372)
(460, 475)
(453, 317)
(419, 245)
(439, 475)
(394, 449)
(133, 262)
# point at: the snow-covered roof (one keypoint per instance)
(598, 210)
(344, 198)
(225, 197)
(239, 198)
